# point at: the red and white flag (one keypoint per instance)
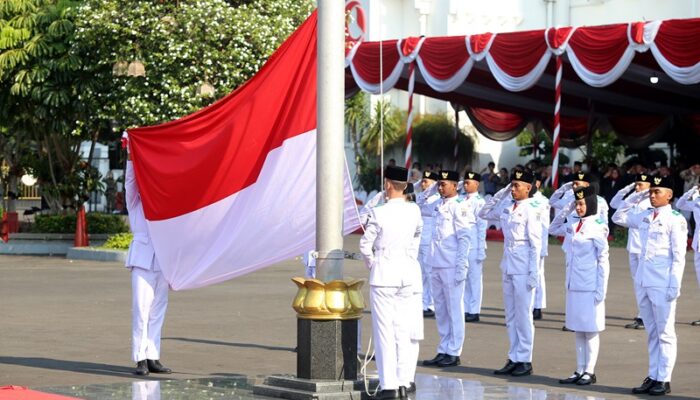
(231, 188)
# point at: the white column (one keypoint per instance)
(330, 151)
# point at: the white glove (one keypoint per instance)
(599, 296)
(637, 196)
(125, 141)
(460, 275)
(501, 193)
(672, 293)
(533, 280)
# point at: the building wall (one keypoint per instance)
(391, 19)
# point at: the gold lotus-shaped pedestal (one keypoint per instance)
(328, 301)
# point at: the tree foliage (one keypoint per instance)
(434, 141)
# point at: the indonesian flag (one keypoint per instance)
(231, 188)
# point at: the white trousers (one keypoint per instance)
(392, 334)
(541, 291)
(425, 272)
(634, 263)
(416, 335)
(149, 302)
(587, 347)
(474, 287)
(449, 310)
(697, 265)
(518, 302)
(659, 318)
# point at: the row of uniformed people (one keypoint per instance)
(522, 271)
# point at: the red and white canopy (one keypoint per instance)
(506, 80)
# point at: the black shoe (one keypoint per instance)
(448, 361)
(660, 388)
(157, 368)
(586, 379)
(427, 313)
(471, 317)
(141, 368)
(636, 324)
(403, 392)
(644, 387)
(537, 313)
(507, 369)
(387, 394)
(435, 360)
(570, 380)
(411, 388)
(522, 369)
(565, 329)
(695, 323)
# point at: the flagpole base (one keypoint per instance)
(290, 387)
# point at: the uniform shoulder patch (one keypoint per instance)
(600, 221)
(459, 200)
(535, 204)
(676, 213)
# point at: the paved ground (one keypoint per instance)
(68, 322)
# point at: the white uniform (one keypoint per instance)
(148, 285)
(690, 201)
(634, 242)
(449, 249)
(664, 236)
(390, 249)
(427, 200)
(474, 287)
(521, 222)
(541, 291)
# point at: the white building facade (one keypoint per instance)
(393, 19)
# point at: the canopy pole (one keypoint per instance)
(330, 151)
(409, 118)
(456, 150)
(555, 136)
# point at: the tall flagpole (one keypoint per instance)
(330, 148)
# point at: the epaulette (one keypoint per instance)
(675, 212)
(535, 204)
(600, 221)
(459, 200)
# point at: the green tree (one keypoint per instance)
(38, 80)
(393, 121)
(434, 141)
(526, 141)
(357, 120)
(605, 148)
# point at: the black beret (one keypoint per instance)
(523, 176)
(447, 175)
(474, 176)
(582, 193)
(643, 178)
(396, 173)
(431, 175)
(661, 181)
(582, 176)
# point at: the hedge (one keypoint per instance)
(96, 223)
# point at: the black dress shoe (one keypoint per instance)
(411, 388)
(565, 329)
(435, 360)
(660, 388)
(537, 313)
(644, 387)
(570, 380)
(586, 379)
(428, 313)
(636, 324)
(387, 394)
(403, 392)
(157, 368)
(448, 361)
(522, 369)
(141, 368)
(507, 369)
(471, 317)
(695, 323)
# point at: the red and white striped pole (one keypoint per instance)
(557, 125)
(409, 119)
(456, 151)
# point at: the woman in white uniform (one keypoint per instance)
(587, 271)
